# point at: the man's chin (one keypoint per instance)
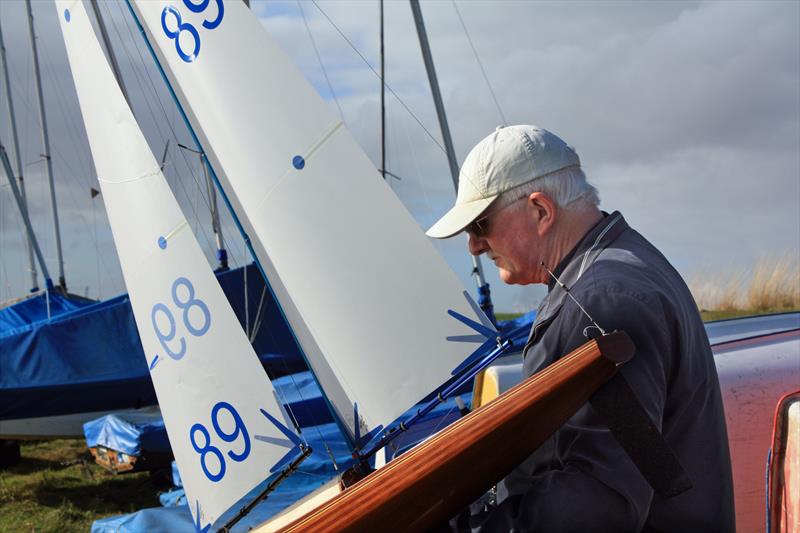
(507, 277)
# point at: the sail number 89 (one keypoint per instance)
(204, 447)
(181, 27)
(186, 304)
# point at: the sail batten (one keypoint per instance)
(338, 248)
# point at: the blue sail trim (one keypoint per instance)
(234, 216)
(292, 454)
(480, 328)
(198, 527)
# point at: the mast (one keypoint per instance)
(111, 56)
(383, 96)
(222, 253)
(18, 159)
(46, 144)
(484, 294)
(24, 212)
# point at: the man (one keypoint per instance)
(525, 203)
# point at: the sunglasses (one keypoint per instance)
(480, 227)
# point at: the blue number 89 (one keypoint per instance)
(190, 302)
(186, 305)
(181, 28)
(240, 429)
(198, 8)
(205, 450)
(208, 448)
(164, 338)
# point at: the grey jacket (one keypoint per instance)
(581, 479)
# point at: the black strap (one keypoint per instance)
(624, 415)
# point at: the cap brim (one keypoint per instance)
(458, 218)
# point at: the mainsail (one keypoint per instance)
(223, 421)
(338, 248)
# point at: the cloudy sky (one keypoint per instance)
(686, 116)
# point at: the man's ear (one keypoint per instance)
(545, 211)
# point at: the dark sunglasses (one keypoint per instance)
(480, 227)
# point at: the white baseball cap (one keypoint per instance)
(509, 157)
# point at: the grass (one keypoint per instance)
(58, 488)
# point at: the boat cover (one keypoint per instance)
(130, 432)
(88, 357)
(135, 432)
(176, 475)
(172, 498)
(38, 308)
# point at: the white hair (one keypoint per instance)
(567, 187)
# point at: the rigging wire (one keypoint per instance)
(319, 59)
(364, 59)
(480, 64)
(137, 67)
(155, 92)
(80, 178)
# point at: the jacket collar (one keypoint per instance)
(576, 263)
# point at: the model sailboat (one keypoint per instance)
(217, 402)
(332, 241)
(225, 426)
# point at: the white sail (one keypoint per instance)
(364, 291)
(210, 385)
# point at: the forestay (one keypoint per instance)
(209, 382)
(339, 249)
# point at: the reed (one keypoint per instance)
(775, 284)
(772, 286)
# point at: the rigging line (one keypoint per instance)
(82, 176)
(96, 251)
(138, 76)
(259, 316)
(291, 376)
(478, 59)
(319, 58)
(364, 59)
(246, 305)
(67, 117)
(135, 39)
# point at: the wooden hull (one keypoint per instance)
(432, 482)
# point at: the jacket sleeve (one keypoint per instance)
(582, 479)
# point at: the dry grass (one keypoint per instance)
(773, 285)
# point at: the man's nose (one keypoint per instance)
(476, 245)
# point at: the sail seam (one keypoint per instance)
(128, 180)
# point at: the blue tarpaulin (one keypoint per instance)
(86, 357)
(136, 432)
(39, 308)
(130, 432)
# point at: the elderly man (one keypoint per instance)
(524, 202)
